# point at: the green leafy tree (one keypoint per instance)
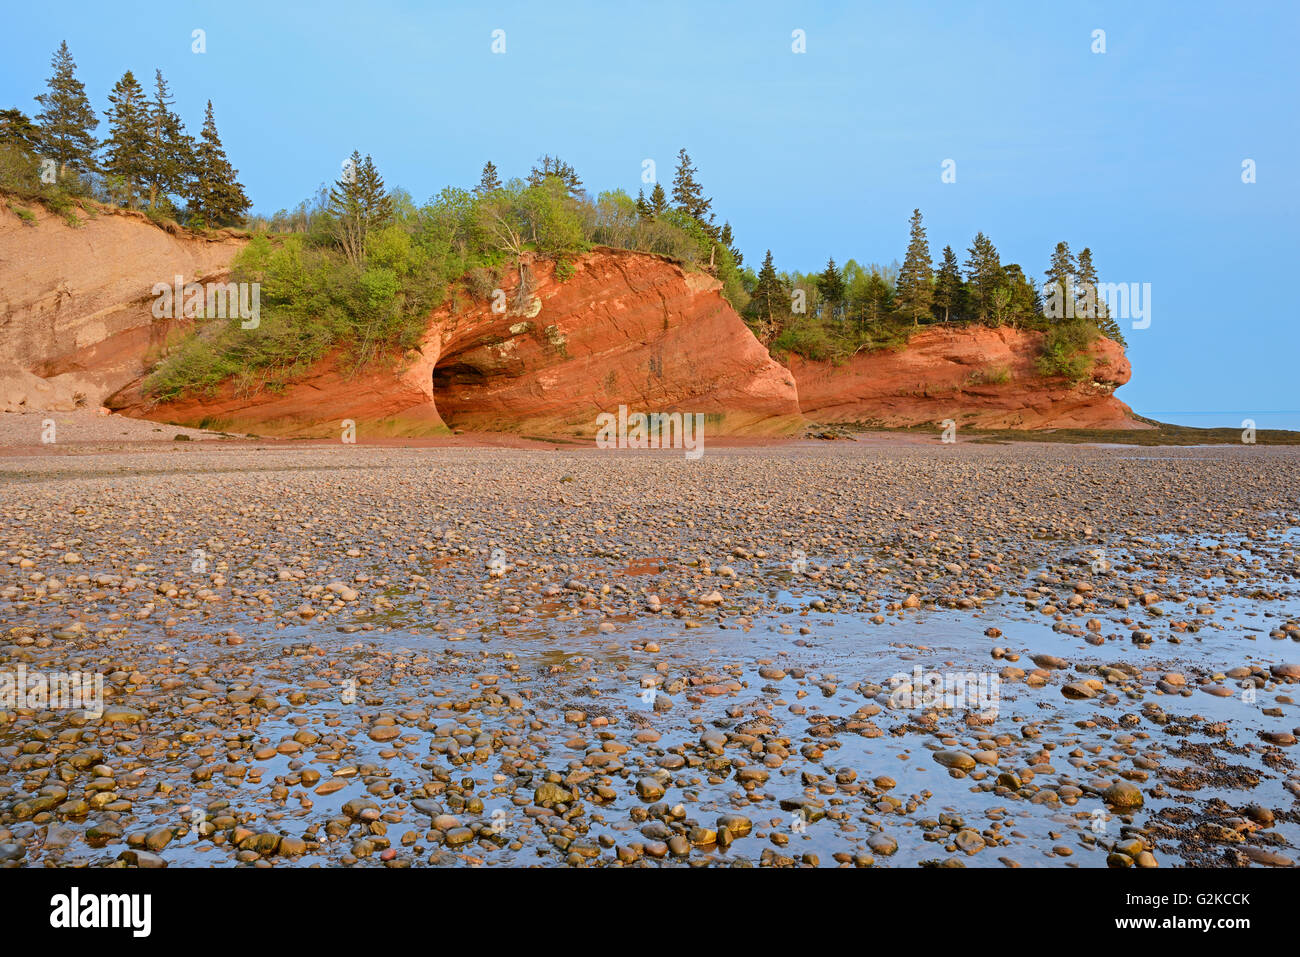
(67, 120)
(215, 196)
(1023, 303)
(915, 285)
(948, 286)
(127, 148)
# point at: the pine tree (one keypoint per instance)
(66, 118)
(725, 237)
(170, 151)
(948, 286)
(688, 195)
(359, 204)
(557, 168)
(126, 150)
(915, 286)
(983, 277)
(770, 299)
(658, 200)
(830, 284)
(642, 207)
(216, 197)
(17, 129)
(1099, 312)
(489, 181)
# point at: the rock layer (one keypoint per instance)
(976, 376)
(76, 320)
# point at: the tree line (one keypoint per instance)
(147, 160)
(854, 307)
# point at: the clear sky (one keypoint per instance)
(1136, 152)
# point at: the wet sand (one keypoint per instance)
(339, 655)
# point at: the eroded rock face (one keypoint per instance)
(624, 329)
(976, 376)
(76, 308)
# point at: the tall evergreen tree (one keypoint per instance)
(642, 207)
(66, 118)
(688, 194)
(1097, 309)
(216, 197)
(359, 204)
(489, 181)
(983, 277)
(830, 284)
(658, 200)
(770, 300)
(17, 129)
(948, 286)
(170, 159)
(126, 150)
(1062, 275)
(725, 237)
(915, 285)
(1023, 303)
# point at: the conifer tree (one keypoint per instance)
(359, 204)
(66, 119)
(658, 200)
(915, 286)
(726, 239)
(126, 150)
(17, 129)
(170, 158)
(830, 284)
(688, 194)
(489, 180)
(553, 166)
(983, 277)
(770, 299)
(642, 207)
(1100, 313)
(216, 197)
(948, 286)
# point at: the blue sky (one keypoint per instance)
(1136, 152)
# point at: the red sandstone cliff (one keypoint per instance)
(624, 329)
(976, 376)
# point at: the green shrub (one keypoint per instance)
(1066, 350)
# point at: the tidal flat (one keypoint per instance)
(361, 656)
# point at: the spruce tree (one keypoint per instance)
(983, 277)
(1100, 312)
(553, 166)
(359, 204)
(642, 207)
(830, 284)
(17, 129)
(66, 118)
(725, 237)
(216, 197)
(658, 200)
(948, 286)
(489, 181)
(770, 299)
(171, 150)
(126, 150)
(688, 194)
(1061, 275)
(915, 286)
